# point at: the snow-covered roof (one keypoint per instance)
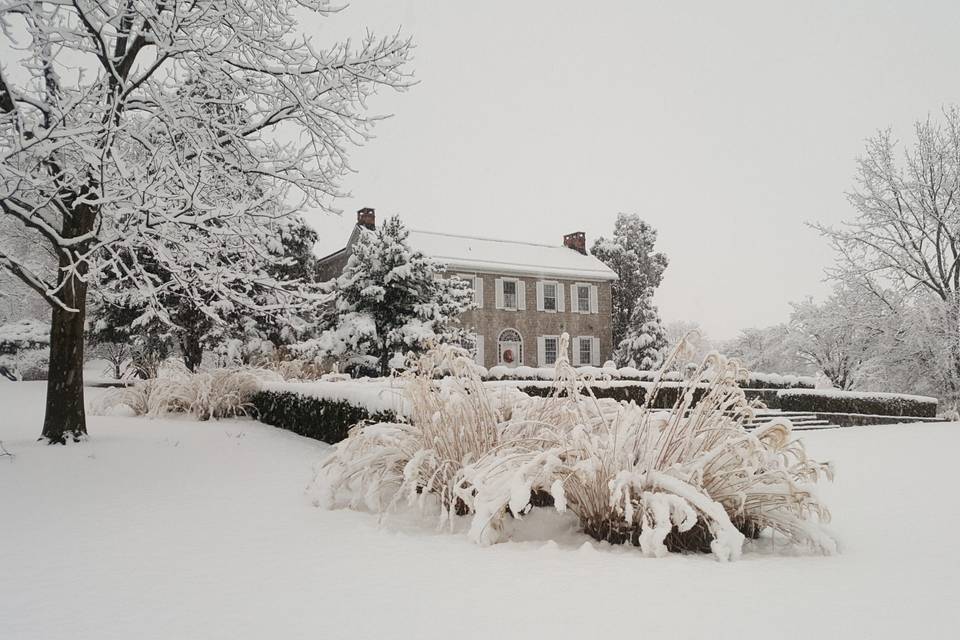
(470, 253)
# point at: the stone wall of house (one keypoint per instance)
(531, 323)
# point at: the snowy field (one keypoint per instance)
(176, 529)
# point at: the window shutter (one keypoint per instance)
(595, 352)
(541, 351)
(478, 342)
(539, 296)
(498, 285)
(478, 292)
(573, 298)
(560, 307)
(521, 295)
(594, 302)
(576, 351)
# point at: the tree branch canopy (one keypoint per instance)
(907, 228)
(179, 129)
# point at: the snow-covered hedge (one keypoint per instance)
(837, 401)
(622, 391)
(756, 380)
(311, 416)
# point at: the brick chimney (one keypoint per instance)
(367, 217)
(576, 241)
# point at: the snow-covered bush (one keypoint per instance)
(690, 477)
(452, 421)
(325, 419)
(220, 393)
(24, 335)
(861, 402)
(752, 380)
(24, 349)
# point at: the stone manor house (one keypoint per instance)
(526, 294)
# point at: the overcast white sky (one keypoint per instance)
(725, 125)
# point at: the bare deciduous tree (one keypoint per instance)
(103, 157)
(905, 239)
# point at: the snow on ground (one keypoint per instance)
(176, 529)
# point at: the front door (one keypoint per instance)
(511, 353)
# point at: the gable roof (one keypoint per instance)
(471, 253)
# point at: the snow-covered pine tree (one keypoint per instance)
(101, 165)
(389, 300)
(645, 339)
(630, 253)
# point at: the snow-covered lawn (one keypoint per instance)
(177, 529)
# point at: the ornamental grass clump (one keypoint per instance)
(453, 421)
(219, 393)
(689, 478)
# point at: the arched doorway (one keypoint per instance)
(510, 348)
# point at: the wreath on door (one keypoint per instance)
(508, 355)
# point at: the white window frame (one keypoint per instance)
(557, 296)
(542, 351)
(521, 295)
(592, 297)
(578, 343)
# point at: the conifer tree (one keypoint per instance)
(645, 340)
(389, 301)
(630, 253)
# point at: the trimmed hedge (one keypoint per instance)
(881, 404)
(317, 418)
(666, 397)
(754, 381)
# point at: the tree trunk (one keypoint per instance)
(191, 349)
(65, 417)
(385, 363)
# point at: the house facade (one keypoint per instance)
(526, 294)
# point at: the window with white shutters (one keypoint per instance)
(585, 350)
(550, 296)
(509, 294)
(583, 298)
(549, 347)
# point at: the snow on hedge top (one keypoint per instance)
(470, 253)
(374, 394)
(854, 395)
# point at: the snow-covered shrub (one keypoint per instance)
(220, 393)
(24, 335)
(26, 364)
(862, 402)
(690, 477)
(752, 380)
(452, 422)
(25, 349)
(325, 419)
(687, 478)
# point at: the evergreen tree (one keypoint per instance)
(389, 301)
(169, 315)
(639, 268)
(645, 340)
